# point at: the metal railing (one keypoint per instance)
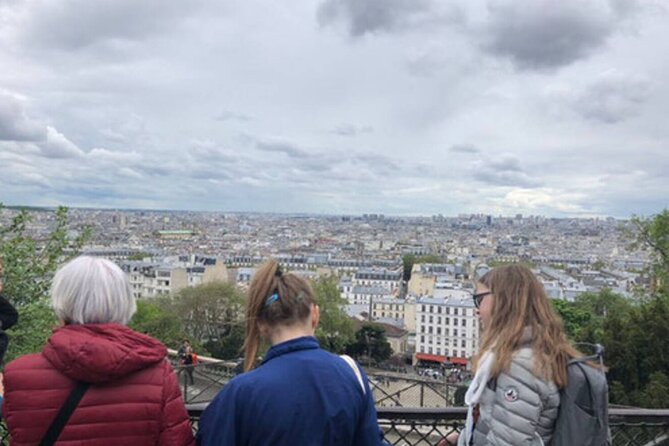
(427, 426)
(404, 426)
(201, 382)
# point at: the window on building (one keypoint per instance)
(422, 318)
(429, 329)
(448, 310)
(422, 308)
(448, 320)
(446, 352)
(455, 332)
(439, 320)
(455, 311)
(462, 354)
(422, 339)
(430, 319)
(429, 350)
(439, 310)
(463, 344)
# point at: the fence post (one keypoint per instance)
(422, 394)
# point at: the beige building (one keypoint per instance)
(421, 283)
(155, 279)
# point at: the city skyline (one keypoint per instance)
(336, 107)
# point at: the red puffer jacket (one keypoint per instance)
(134, 398)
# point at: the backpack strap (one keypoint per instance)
(356, 370)
(64, 414)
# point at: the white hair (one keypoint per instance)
(90, 290)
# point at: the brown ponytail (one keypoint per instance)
(274, 299)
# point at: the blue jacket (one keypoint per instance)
(301, 395)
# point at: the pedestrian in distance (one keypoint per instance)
(96, 381)
(187, 360)
(514, 396)
(300, 394)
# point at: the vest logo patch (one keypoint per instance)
(511, 394)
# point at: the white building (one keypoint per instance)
(379, 278)
(447, 328)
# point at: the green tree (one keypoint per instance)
(230, 347)
(209, 312)
(29, 264)
(153, 317)
(409, 260)
(656, 393)
(653, 234)
(335, 329)
(36, 322)
(370, 342)
(574, 318)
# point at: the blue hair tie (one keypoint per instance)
(270, 300)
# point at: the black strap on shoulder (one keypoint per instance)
(64, 414)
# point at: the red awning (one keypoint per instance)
(433, 358)
(441, 359)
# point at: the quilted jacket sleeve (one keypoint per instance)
(175, 427)
(524, 407)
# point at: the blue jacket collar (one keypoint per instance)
(303, 343)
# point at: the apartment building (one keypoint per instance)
(447, 328)
(170, 275)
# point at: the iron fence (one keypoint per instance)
(404, 426)
(200, 383)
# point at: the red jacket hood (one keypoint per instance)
(97, 353)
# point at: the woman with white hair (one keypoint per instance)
(96, 381)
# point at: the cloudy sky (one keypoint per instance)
(553, 107)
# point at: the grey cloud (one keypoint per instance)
(370, 16)
(15, 125)
(612, 98)
(75, 24)
(463, 148)
(352, 130)
(285, 147)
(227, 115)
(503, 171)
(58, 146)
(545, 34)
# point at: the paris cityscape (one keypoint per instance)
(334, 223)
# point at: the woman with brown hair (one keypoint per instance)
(300, 394)
(521, 365)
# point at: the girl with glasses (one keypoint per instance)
(521, 366)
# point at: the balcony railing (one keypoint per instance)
(404, 426)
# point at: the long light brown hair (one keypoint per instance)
(292, 305)
(519, 301)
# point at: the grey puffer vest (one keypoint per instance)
(518, 408)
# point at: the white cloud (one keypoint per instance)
(336, 106)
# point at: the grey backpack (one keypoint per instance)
(583, 418)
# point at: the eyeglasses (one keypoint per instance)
(478, 297)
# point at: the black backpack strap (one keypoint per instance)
(64, 414)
